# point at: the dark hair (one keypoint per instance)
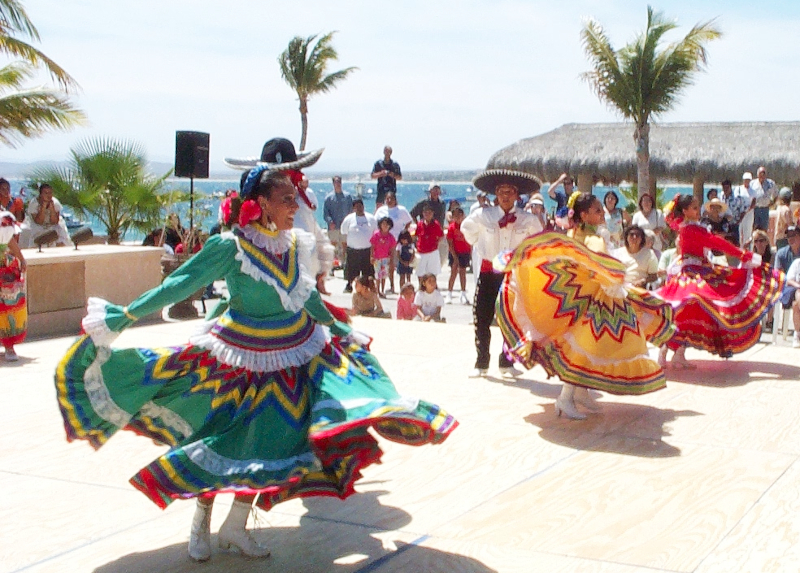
(383, 220)
(236, 206)
(424, 278)
(358, 199)
(404, 235)
(581, 205)
(366, 281)
(4, 180)
(652, 200)
(710, 191)
(45, 186)
(336, 178)
(681, 203)
(457, 210)
(634, 230)
(268, 181)
(726, 182)
(611, 194)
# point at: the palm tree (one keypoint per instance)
(642, 81)
(32, 112)
(303, 67)
(106, 179)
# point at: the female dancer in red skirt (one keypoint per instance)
(717, 308)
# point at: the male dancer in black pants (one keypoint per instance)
(491, 230)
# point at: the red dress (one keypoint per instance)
(718, 308)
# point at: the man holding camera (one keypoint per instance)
(387, 172)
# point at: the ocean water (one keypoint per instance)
(209, 193)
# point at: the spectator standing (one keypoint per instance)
(481, 200)
(44, 214)
(388, 173)
(439, 207)
(765, 192)
(357, 229)
(337, 206)
(746, 224)
(561, 197)
(459, 256)
(615, 218)
(405, 257)
(784, 220)
(429, 234)
(791, 297)
(401, 219)
(649, 217)
(13, 205)
(737, 209)
(490, 230)
(383, 247)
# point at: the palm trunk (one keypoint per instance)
(304, 123)
(641, 138)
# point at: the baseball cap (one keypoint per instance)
(792, 230)
(747, 175)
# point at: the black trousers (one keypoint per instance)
(357, 263)
(483, 310)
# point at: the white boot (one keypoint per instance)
(662, 356)
(585, 399)
(200, 537)
(566, 405)
(234, 535)
(450, 297)
(679, 359)
(464, 297)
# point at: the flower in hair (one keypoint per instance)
(249, 211)
(573, 198)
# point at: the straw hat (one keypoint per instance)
(715, 203)
(491, 178)
(279, 155)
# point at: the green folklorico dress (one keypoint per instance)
(272, 397)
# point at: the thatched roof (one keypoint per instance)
(678, 151)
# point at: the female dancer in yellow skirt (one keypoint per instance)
(565, 305)
(13, 308)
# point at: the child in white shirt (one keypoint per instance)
(428, 300)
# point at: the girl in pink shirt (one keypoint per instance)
(383, 243)
(406, 309)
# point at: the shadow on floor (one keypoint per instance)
(339, 543)
(726, 373)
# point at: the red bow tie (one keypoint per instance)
(506, 219)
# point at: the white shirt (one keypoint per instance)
(304, 218)
(481, 230)
(764, 194)
(429, 302)
(358, 230)
(793, 274)
(655, 220)
(399, 216)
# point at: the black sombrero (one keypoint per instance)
(279, 155)
(491, 178)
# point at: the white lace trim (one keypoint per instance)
(260, 361)
(97, 391)
(297, 297)
(94, 323)
(170, 419)
(214, 463)
(276, 245)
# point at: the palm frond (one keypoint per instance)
(13, 18)
(32, 113)
(17, 48)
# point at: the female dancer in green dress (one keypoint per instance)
(271, 400)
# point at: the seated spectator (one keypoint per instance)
(406, 309)
(365, 299)
(642, 262)
(11, 204)
(762, 247)
(716, 220)
(429, 300)
(44, 214)
(791, 297)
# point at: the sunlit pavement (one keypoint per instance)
(702, 476)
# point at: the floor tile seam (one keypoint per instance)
(87, 543)
(69, 481)
(745, 514)
(680, 442)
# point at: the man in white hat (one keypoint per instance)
(746, 224)
(490, 230)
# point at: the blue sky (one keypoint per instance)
(446, 83)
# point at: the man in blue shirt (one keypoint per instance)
(387, 172)
(337, 206)
(561, 197)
